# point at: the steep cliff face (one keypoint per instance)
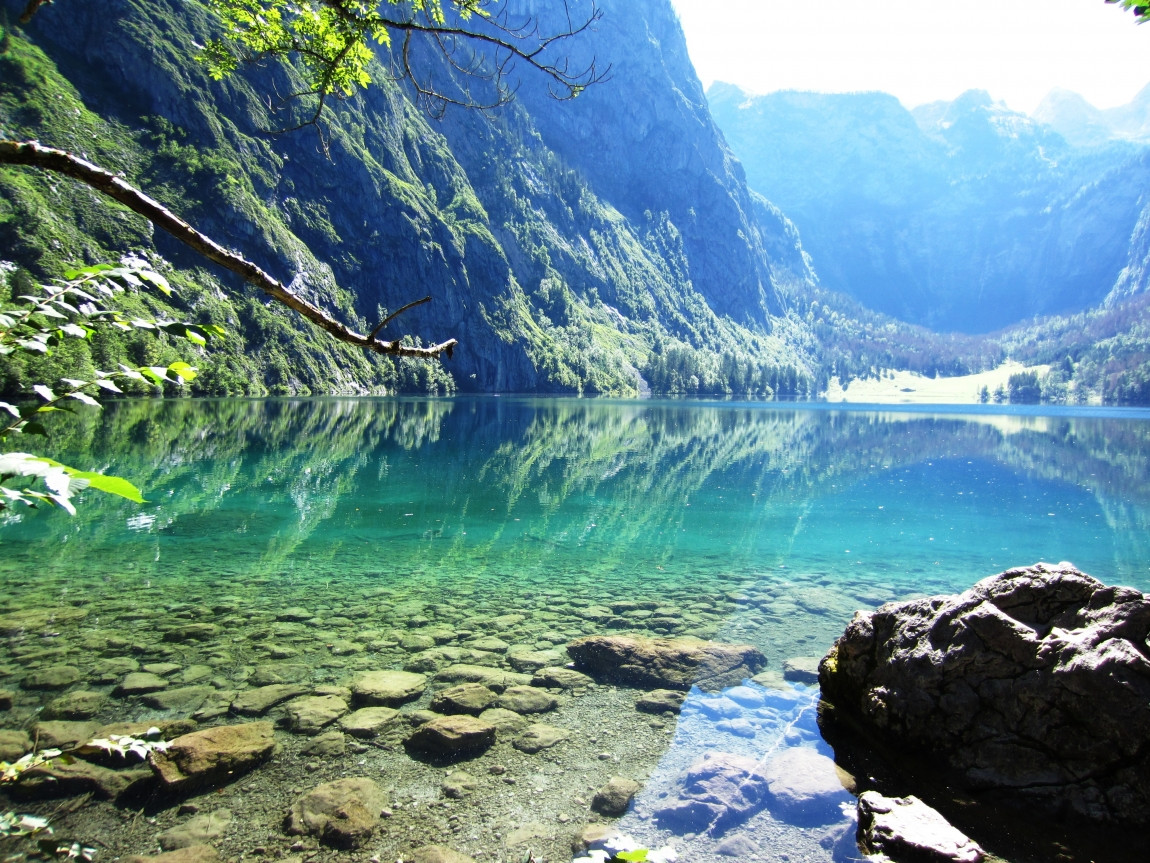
(563, 243)
(961, 216)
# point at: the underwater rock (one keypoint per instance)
(343, 813)
(312, 713)
(471, 698)
(661, 701)
(6, 698)
(506, 722)
(451, 734)
(183, 699)
(669, 663)
(59, 778)
(330, 743)
(905, 828)
(802, 669)
(191, 854)
(539, 736)
(261, 699)
(527, 699)
(439, 854)
(34, 619)
(52, 677)
(139, 683)
(561, 678)
(530, 661)
(388, 688)
(198, 829)
(492, 678)
(458, 784)
(718, 791)
(613, 798)
(368, 721)
(1035, 683)
(14, 743)
(805, 786)
(64, 734)
(78, 704)
(192, 632)
(214, 755)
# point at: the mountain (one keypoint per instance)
(586, 246)
(960, 216)
(1083, 125)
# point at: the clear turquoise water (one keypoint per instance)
(768, 524)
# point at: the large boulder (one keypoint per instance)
(666, 663)
(1035, 683)
(905, 828)
(214, 755)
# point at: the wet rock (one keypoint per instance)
(295, 614)
(1034, 682)
(181, 699)
(14, 744)
(805, 786)
(506, 722)
(530, 661)
(6, 699)
(661, 701)
(169, 728)
(62, 734)
(489, 643)
(191, 854)
(471, 698)
(905, 828)
(738, 846)
(415, 641)
(527, 699)
(52, 677)
(312, 713)
(78, 704)
(261, 699)
(613, 798)
(329, 744)
(558, 677)
(459, 784)
(214, 755)
(192, 632)
(439, 854)
(539, 736)
(35, 619)
(163, 669)
(112, 669)
(343, 813)
(718, 791)
(369, 722)
(60, 778)
(201, 828)
(451, 734)
(802, 669)
(388, 688)
(669, 663)
(139, 683)
(196, 674)
(493, 678)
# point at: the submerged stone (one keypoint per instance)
(670, 663)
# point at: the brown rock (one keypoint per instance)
(191, 854)
(62, 734)
(60, 778)
(312, 713)
(493, 678)
(342, 813)
(661, 701)
(471, 698)
(527, 699)
(369, 721)
(214, 755)
(613, 798)
(439, 854)
(388, 688)
(447, 734)
(555, 677)
(540, 736)
(79, 704)
(261, 699)
(14, 744)
(198, 829)
(669, 663)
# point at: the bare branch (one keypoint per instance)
(33, 154)
(396, 314)
(31, 9)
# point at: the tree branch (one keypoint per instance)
(33, 154)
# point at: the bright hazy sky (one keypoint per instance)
(921, 50)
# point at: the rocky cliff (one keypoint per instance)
(564, 244)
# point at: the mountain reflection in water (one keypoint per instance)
(411, 530)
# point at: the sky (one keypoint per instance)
(921, 50)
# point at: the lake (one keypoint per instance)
(319, 539)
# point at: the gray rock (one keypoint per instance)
(261, 699)
(613, 798)
(527, 699)
(668, 663)
(1033, 682)
(471, 698)
(805, 786)
(200, 828)
(312, 713)
(540, 736)
(369, 722)
(905, 828)
(343, 813)
(450, 734)
(388, 688)
(718, 791)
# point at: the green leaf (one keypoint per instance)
(183, 371)
(110, 484)
(636, 856)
